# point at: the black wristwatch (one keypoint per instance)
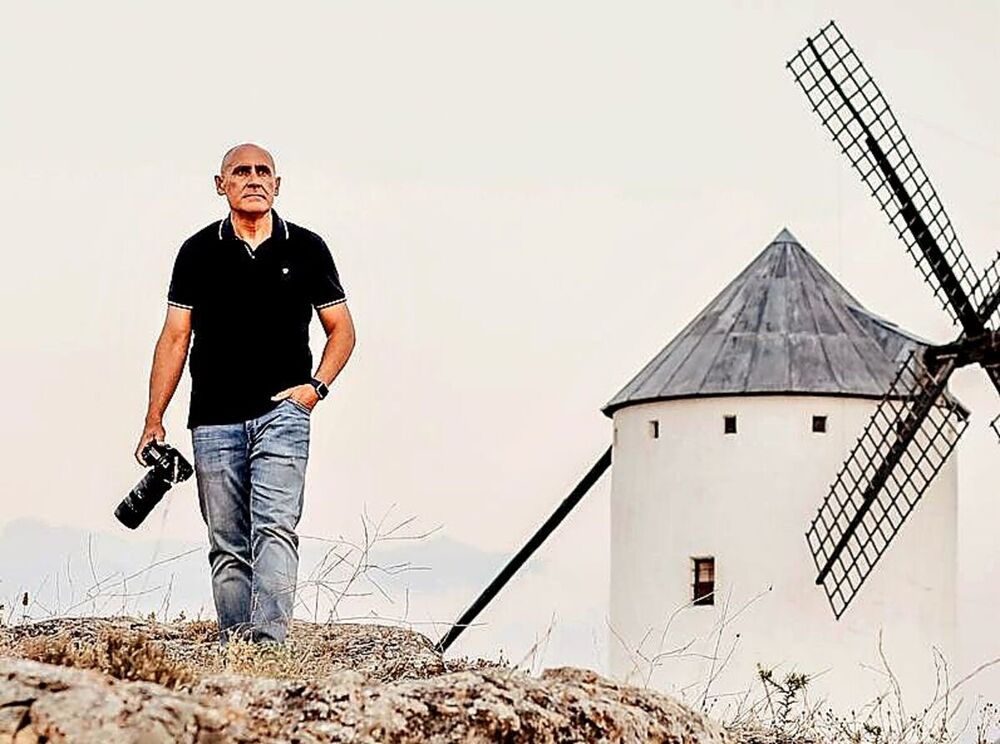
(321, 389)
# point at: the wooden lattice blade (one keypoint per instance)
(906, 442)
(989, 291)
(994, 374)
(853, 109)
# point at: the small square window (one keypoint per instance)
(819, 424)
(729, 424)
(654, 429)
(704, 581)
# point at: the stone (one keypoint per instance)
(375, 684)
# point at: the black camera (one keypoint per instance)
(168, 467)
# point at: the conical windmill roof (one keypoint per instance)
(783, 326)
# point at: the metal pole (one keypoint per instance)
(525, 552)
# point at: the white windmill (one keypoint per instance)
(722, 444)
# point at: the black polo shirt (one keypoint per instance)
(250, 313)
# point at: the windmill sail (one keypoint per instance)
(994, 374)
(989, 290)
(854, 111)
(907, 440)
(988, 311)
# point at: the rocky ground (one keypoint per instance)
(128, 680)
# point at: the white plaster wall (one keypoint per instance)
(747, 499)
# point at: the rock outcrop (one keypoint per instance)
(374, 684)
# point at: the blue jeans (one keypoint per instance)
(251, 480)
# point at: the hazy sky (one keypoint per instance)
(526, 201)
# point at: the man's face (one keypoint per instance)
(248, 181)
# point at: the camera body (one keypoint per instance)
(168, 467)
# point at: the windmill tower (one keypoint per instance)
(722, 444)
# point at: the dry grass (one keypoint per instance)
(783, 714)
(777, 708)
(136, 656)
(122, 655)
(475, 664)
(143, 648)
(289, 660)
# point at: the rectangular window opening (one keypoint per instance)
(729, 424)
(704, 581)
(654, 429)
(819, 424)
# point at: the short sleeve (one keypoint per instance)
(183, 281)
(325, 288)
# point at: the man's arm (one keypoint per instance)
(339, 327)
(168, 365)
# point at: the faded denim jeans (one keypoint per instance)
(251, 480)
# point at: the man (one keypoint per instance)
(246, 287)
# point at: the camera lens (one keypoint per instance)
(147, 493)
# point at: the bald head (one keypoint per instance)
(247, 179)
(246, 149)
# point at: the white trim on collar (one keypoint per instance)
(282, 220)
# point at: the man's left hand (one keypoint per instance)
(304, 394)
